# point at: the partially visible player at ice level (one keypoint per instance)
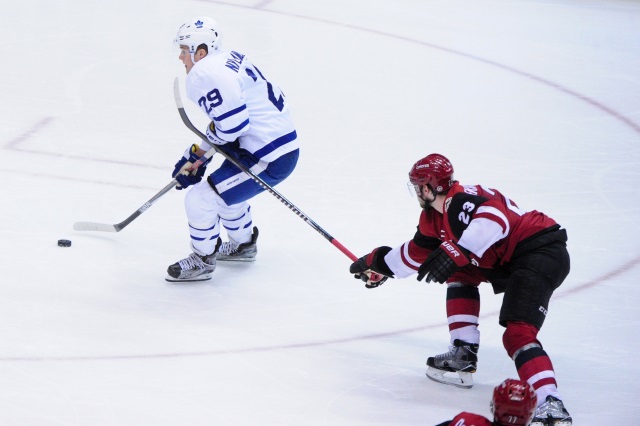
(468, 234)
(513, 404)
(251, 122)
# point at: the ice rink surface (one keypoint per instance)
(539, 99)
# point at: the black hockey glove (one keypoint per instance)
(443, 262)
(182, 172)
(372, 269)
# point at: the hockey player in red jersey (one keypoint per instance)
(468, 234)
(513, 404)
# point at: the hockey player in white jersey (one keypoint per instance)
(251, 122)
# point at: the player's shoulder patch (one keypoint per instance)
(447, 203)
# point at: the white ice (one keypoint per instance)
(538, 98)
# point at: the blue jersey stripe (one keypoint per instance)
(230, 113)
(236, 129)
(276, 144)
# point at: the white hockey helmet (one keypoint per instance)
(199, 31)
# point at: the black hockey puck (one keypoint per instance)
(64, 243)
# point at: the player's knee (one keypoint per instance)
(518, 335)
(233, 210)
(200, 196)
(201, 205)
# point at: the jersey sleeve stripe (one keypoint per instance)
(488, 211)
(481, 234)
(397, 260)
(407, 259)
(230, 113)
(235, 129)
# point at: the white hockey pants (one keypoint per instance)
(206, 210)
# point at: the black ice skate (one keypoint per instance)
(234, 252)
(461, 359)
(551, 413)
(192, 268)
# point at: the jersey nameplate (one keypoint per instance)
(234, 62)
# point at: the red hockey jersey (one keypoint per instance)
(488, 224)
(481, 220)
(468, 419)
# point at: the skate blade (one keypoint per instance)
(554, 422)
(188, 280)
(458, 378)
(235, 259)
(231, 259)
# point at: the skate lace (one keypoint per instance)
(551, 408)
(447, 355)
(192, 262)
(228, 247)
(456, 352)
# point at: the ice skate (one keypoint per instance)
(234, 252)
(192, 268)
(551, 413)
(456, 366)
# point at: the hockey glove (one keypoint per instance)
(183, 171)
(372, 269)
(443, 262)
(213, 136)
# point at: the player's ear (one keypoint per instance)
(200, 53)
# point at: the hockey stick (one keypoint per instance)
(105, 227)
(258, 179)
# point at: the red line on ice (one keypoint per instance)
(605, 277)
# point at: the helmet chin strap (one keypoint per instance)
(433, 192)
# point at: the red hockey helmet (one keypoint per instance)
(434, 170)
(514, 403)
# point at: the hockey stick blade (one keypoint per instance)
(105, 227)
(93, 226)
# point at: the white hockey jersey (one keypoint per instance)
(243, 104)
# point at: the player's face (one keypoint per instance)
(425, 195)
(185, 57)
